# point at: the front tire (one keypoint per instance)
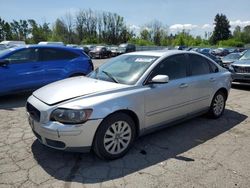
(217, 106)
(114, 136)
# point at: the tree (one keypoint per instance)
(221, 29)
(237, 33)
(246, 35)
(60, 31)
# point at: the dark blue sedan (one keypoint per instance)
(30, 67)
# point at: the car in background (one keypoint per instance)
(230, 58)
(51, 43)
(205, 50)
(3, 47)
(240, 70)
(220, 52)
(114, 51)
(130, 95)
(12, 43)
(125, 48)
(30, 67)
(100, 52)
(216, 59)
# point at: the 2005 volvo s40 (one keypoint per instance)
(125, 98)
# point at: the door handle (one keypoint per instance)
(183, 85)
(212, 79)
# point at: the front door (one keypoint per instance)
(169, 101)
(23, 71)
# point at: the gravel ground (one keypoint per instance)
(197, 153)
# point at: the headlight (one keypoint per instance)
(230, 68)
(70, 116)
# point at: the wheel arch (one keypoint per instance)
(127, 112)
(223, 90)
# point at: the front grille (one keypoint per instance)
(240, 69)
(34, 113)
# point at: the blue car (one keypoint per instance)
(30, 67)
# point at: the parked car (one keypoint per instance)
(3, 47)
(205, 50)
(125, 48)
(220, 52)
(30, 67)
(12, 43)
(51, 43)
(127, 97)
(230, 58)
(241, 70)
(216, 59)
(114, 51)
(100, 52)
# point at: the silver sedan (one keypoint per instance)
(127, 97)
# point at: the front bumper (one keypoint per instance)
(65, 137)
(76, 137)
(241, 78)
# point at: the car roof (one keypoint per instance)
(43, 46)
(160, 53)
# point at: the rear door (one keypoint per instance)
(56, 63)
(202, 81)
(23, 71)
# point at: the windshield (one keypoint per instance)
(5, 51)
(246, 56)
(232, 56)
(125, 69)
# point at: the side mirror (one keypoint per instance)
(160, 79)
(4, 62)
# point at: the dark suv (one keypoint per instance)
(100, 52)
(126, 48)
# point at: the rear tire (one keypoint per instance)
(114, 136)
(217, 106)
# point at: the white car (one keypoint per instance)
(126, 97)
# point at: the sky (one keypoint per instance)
(195, 16)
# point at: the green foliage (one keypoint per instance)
(231, 43)
(140, 42)
(92, 27)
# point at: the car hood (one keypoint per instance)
(244, 63)
(74, 87)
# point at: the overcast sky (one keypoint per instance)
(194, 15)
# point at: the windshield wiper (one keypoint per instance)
(111, 77)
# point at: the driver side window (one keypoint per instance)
(175, 67)
(23, 56)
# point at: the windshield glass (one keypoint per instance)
(125, 69)
(232, 56)
(5, 51)
(246, 56)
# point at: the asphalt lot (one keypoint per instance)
(198, 153)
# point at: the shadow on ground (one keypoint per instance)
(147, 151)
(9, 102)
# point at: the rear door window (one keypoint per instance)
(51, 54)
(198, 65)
